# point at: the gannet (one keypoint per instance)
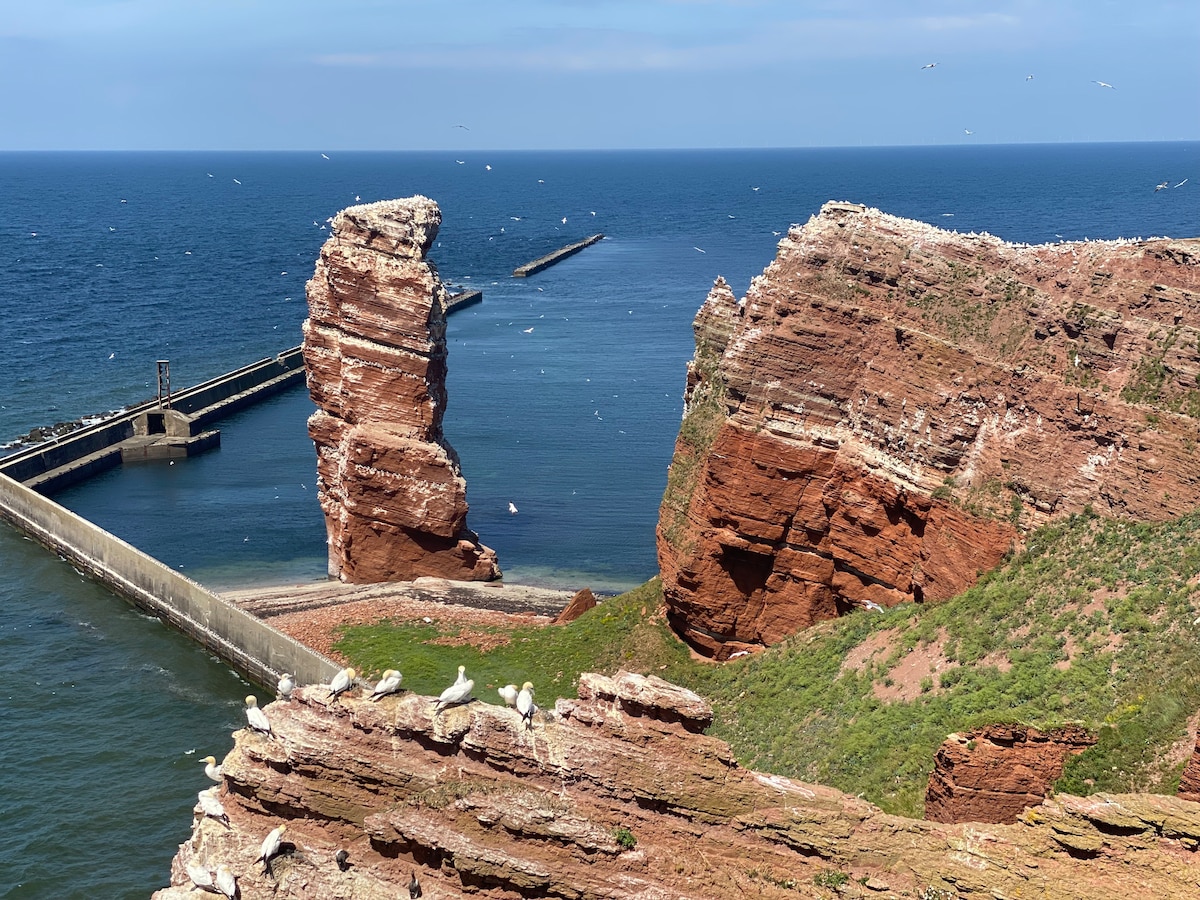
(285, 686)
(528, 330)
(226, 881)
(512, 508)
(389, 683)
(212, 807)
(1104, 84)
(256, 718)
(270, 846)
(698, 250)
(323, 156)
(462, 675)
(414, 887)
(459, 692)
(201, 877)
(342, 682)
(929, 66)
(508, 694)
(525, 704)
(1161, 186)
(211, 769)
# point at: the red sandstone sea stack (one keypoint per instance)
(892, 406)
(389, 485)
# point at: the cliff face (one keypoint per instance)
(892, 405)
(375, 351)
(992, 774)
(619, 795)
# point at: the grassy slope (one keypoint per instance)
(1114, 600)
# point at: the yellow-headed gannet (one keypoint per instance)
(212, 807)
(388, 683)
(226, 881)
(255, 717)
(286, 685)
(459, 692)
(508, 694)
(211, 769)
(342, 682)
(462, 675)
(270, 846)
(525, 705)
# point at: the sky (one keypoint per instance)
(592, 74)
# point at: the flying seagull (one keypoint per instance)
(1181, 184)
(323, 156)
(967, 131)
(929, 66)
(512, 508)
(698, 250)
(1103, 84)
(1162, 185)
(1029, 78)
(463, 127)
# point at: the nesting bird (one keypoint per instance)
(342, 682)
(525, 705)
(270, 847)
(508, 694)
(201, 877)
(286, 685)
(212, 807)
(211, 769)
(226, 881)
(459, 692)
(388, 683)
(255, 717)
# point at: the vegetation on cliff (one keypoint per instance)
(1096, 622)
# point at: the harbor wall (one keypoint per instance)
(251, 646)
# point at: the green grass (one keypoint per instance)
(1118, 598)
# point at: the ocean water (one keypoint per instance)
(114, 260)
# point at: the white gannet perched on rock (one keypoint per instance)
(226, 881)
(211, 769)
(342, 682)
(462, 675)
(459, 692)
(255, 717)
(212, 807)
(388, 683)
(286, 685)
(508, 694)
(201, 877)
(525, 705)
(270, 846)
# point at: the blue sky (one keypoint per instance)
(534, 74)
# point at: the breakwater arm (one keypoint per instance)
(545, 262)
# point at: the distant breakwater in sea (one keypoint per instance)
(574, 422)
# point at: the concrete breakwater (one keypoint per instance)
(251, 646)
(150, 430)
(545, 262)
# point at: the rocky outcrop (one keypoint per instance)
(583, 600)
(993, 774)
(892, 405)
(389, 485)
(619, 795)
(1189, 781)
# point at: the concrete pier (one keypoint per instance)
(463, 299)
(150, 431)
(545, 262)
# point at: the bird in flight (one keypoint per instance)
(1161, 186)
(929, 66)
(463, 127)
(967, 131)
(698, 250)
(512, 508)
(1181, 184)
(323, 156)
(488, 168)
(1104, 84)
(1029, 78)
(564, 220)
(235, 181)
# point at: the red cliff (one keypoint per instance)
(375, 351)
(619, 795)
(891, 406)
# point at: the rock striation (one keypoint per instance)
(891, 406)
(620, 795)
(993, 774)
(389, 485)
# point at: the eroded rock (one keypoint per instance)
(388, 483)
(605, 797)
(892, 406)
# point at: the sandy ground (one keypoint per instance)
(313, 612)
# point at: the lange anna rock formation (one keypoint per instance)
(892, 406)
(375, 350)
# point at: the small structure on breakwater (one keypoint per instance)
(545, 262)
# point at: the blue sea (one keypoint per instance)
(111, 261)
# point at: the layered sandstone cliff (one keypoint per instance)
(620, 795)
(993, 774)
(389, 485)
(892, 405)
